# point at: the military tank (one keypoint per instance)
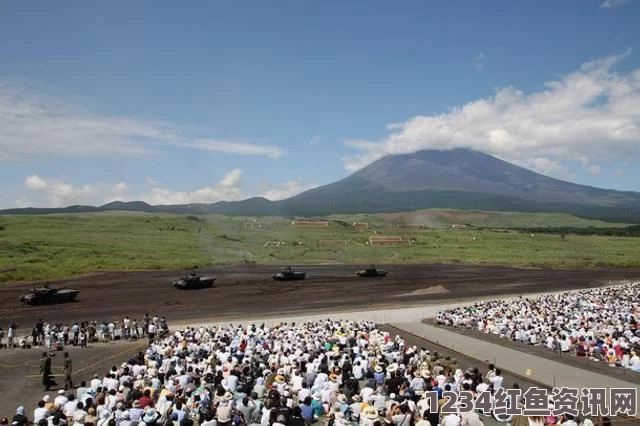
(288, 274)
(193, 281)
(46, 295)
(371, 272)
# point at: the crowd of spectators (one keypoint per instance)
(337, 373)
(55, 336)
(602, 324)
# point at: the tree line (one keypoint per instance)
(628, 231)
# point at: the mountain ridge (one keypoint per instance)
(457, 178)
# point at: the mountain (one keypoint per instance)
(462, 179)
(457, 178)
(137, 206)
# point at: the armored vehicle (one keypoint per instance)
(288, 274)
(371, 272)
(46, 295)
(193, 281)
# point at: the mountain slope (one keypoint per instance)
(458, 178)
(462, 179)
(472, 171)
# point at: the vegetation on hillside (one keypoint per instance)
(57, 246)
(628, 231)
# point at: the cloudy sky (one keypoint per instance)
(173, 103)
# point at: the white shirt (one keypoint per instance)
(634, 362)
(303, 394)
(358, 372)
(296, 383)
(482, 387)
(70, 408)
(60, 400)
(232, 382)
(451, 420)
(39, 414)
(365, 393)
(423, 405)
(110, 383)
(497, 382)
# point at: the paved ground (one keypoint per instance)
(542, 370)
(248, 290)
(469, 353)
(542, 352)
(19, 370)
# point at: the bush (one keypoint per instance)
(629, 231)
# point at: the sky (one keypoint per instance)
(201, 101)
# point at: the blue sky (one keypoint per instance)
(201, 101)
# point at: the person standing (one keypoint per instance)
(45, 370)
(11, 335)
(83, 337)
(40, 331)
(75, 329)
(134, 328)
(67, 371)
(151, 332)
(126, 327)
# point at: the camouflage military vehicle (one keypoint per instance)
(193, 281)
(288, 274)
(371, 272)
(46, 295)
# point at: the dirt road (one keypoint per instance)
(250, 291)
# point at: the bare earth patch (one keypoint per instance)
(438, 289)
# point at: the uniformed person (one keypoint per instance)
(45, 370)
(67, 371)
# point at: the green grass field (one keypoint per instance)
(57, 246)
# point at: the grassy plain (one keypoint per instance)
(57, 246)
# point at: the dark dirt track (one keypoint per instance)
(249, 291)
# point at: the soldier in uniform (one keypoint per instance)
(67, 371)
(45, 370)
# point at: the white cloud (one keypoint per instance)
(241, 148)
(594, 169)
(608, 4)
(546, 167)
(479, 62)
(35, 182)
(314, 140)
(287, 189)
(229, 188)
(35, 125)
(590, 114)
(22, 202)
(57, 193)
(45, 192)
